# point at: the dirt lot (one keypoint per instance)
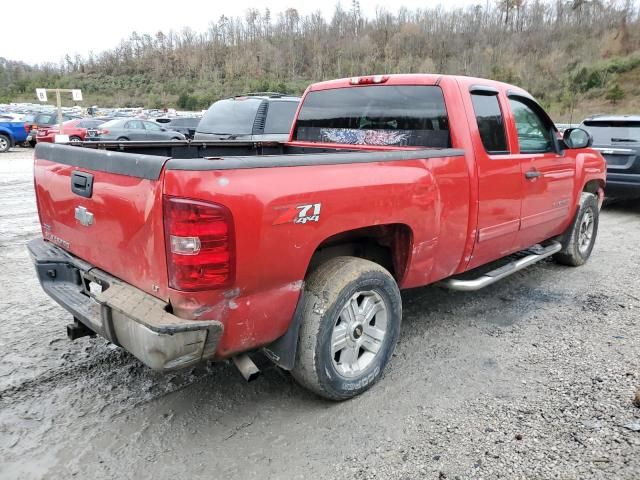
(531, 378)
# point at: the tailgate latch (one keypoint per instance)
(82, 184)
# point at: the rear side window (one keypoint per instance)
(609, 132)
(490, 123)
(134, 125)
(233, 116)
(280, 117)
(375, 115)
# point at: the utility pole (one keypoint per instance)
(41, 93)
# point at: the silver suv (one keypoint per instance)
(256, 117)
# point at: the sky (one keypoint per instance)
(32, 37)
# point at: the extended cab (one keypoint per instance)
(208, 250)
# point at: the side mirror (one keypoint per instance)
(577, 138)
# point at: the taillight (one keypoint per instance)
(103, 132)
(374, 79)
(27, 128)
(200, 244)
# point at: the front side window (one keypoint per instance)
(152, 126)
(375, 115)
(490, 123)
(534, 133)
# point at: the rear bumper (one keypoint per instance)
(622, 185)
(121, 313)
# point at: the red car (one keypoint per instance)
(185, 252)
(76, 129)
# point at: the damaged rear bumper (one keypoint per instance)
(128, 317)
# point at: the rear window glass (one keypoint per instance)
(490, 122)
(613, 131)
(280, 117)
(230, 117)
(375, 115)
(44, 118)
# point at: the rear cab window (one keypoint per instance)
(389, 115)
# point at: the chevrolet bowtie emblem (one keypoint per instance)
(84, 216)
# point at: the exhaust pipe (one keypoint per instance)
(78, 329)
(248, 369)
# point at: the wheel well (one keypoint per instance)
(592, 186)
(386, 245)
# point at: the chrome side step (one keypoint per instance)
(538, 252)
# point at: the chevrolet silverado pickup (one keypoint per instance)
(193, 251)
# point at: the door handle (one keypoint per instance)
(532, 174)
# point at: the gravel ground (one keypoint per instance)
(531, 378)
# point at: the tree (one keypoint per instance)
(614, 94)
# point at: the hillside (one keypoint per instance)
(570, 55)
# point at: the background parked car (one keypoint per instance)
(135, 129)
(78, 130)
(45, 120)
(618, 139)
(185, 125)
(11, 133)
(251, 117)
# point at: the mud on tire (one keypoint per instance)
(579, 239)
(352, 302)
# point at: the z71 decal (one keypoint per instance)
(300, 214)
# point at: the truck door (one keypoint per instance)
(548, 175)
(499, 177)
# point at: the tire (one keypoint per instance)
(74, 138)
(5, 143)
(176, 138)
(122, 139)
(32, 143)
(580, 237)
(328, 303)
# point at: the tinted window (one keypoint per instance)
(45, 118)
(607, 132)
(280, 117)
(375, 115)
(490, 123)
(534, 134)
(230, 117)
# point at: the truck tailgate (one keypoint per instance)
(106, 208)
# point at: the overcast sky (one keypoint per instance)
(28, 30)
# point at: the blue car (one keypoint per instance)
(11, 133)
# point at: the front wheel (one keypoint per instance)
(74, 139)
(579, 239)
(5, 143)
(351, 321)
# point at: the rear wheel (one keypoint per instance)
(5, 143)
(579, 239)
(122, 139)
(351, 321)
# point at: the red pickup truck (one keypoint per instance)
(184, 252)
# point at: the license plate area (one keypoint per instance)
(93, 285)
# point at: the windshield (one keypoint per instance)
(375, 115)
(234, 116)
(613, 131)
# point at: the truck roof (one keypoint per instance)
(416, 79)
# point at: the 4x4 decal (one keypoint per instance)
(300, 214)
